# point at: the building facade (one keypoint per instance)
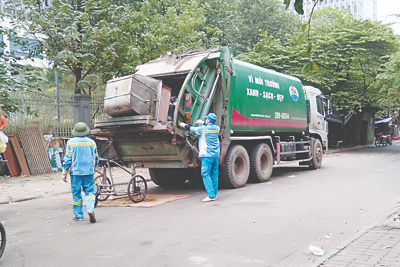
(361, 9)
(17, 49)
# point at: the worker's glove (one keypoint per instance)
(64, 175)
(201, 122)
(182, 124)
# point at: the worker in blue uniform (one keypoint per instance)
(80, 159)
(209, 152)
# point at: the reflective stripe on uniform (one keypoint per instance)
(82, 144)
(210, 131)
(89, 198)
(77, 203)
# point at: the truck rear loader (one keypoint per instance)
(266, 118)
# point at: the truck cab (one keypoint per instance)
(319, 109)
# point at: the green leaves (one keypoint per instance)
(345, 58)
(298, 6)
(240, 21)
(315, 66)
(304, 27)
(309, 66)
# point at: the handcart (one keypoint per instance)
(105, 186)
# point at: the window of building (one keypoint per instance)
(24, 49)
(355, 9)
(349, 7)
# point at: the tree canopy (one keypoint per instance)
(349, 54)
(240, 21)
(96, 40)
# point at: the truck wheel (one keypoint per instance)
(236, 168)
(155, 175)
(174, 177)
(316, 153)
(261, 163)
(168, 177)
(195, 177)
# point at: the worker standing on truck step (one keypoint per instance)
(81, 157)
(209, 152)
(171, 108)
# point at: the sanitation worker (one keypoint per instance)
(80, 159)
(209, 153)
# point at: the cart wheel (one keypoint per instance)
(137, 188)
(99, 180)
(96, 199)
(2, 239)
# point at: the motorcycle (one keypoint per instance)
(383, 140)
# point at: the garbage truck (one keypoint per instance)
(266, 118)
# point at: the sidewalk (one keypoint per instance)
(22, 188)
(343, 149)
(376, 245)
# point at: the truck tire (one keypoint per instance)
(236, 169)
(316, 153)
(168, 177)
(195, 177)
(155, 175)
(261, 163)
(174, 177)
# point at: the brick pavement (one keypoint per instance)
(379, 246)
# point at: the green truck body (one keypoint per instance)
(264, 117)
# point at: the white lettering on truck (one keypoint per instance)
(261, 81)
(252, 92)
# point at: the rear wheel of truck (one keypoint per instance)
(155, 175)
(316, 153)
(168, 177)
(195, 177)
(261, 163)
(236, 169)
(175, 177)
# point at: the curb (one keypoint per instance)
(344, 149)
(383, 221)
(22, 199)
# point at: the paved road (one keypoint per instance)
(269, 224)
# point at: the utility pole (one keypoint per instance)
(58, 97)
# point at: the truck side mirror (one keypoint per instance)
(330, 107)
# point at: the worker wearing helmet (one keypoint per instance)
(209, 152)
(80, 159)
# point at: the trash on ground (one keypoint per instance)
(316, 250)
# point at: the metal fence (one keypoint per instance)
(43, 109)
